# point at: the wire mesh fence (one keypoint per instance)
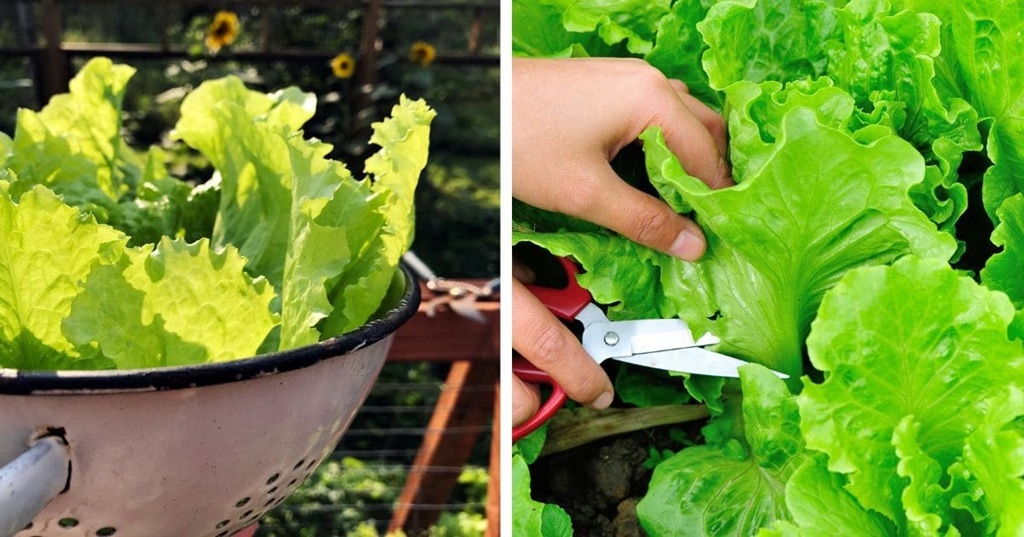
(358, 489)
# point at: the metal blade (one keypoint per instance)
(691, 360)
(616, 339)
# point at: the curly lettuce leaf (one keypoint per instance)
(1002, 270)
(736, 488)
(991, 470)
(758, 41)
(49, 248)
(915, 339)
(791, 231)
(678, 48)
(531, 518)
(242, 132)
(981, 63)
(820, 506)
(175, 304)
(329, 243)
(73, 145)
(394, 171)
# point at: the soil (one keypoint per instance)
(598, 484)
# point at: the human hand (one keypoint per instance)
(570, 118)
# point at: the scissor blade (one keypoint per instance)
(693, 360)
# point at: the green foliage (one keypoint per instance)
(856, 132)
(345, 496)
(327, 244)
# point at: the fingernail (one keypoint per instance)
(688, 245)
(603, 401)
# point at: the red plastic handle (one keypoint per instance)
(567, 302)
(525, 370)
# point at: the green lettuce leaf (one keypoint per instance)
(1002, 270)
(759, 41)
(792, 230)
(73, 145)
(992, 466)
(49, 248)
(981, 63)
(678, 48)
(242, 132)
(738, 487)
(312, 218)
(177, 304)
(531, 518)
(916, 339)
(633, 22)
(821, 507)
(394, 171)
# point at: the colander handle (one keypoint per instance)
(30, 481)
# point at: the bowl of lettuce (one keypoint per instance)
(871, 249)
(200, 347)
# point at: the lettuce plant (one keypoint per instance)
(867, 139)
(111, 262)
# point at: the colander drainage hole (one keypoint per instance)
(272, 490)
(299, 464)
(245, 515)
(106, 532)
(221, 524)
(292, 483)
(273, 478)
(242, 502)
(67, 522)
(269, 502)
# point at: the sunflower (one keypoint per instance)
(222, 31)
(422, 53)
(343, 65)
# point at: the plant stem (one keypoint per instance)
(571, 428)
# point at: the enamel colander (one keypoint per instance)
(181, 451)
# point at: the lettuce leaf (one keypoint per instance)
(319, 248)
(48, 249)
(791, 228)
(530, 517)
(75, 296)
(155, 308)
(736, 488)
(913, 341)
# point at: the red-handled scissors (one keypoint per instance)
(660, 343)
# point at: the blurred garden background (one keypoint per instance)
(357, 57)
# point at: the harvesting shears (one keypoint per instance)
(667, 344)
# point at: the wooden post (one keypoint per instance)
(451, 435)
(56, 72)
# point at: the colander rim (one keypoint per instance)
(18, 382)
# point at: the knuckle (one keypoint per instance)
(651, 227)
(548, 344)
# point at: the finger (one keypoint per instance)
(525, 401)
(522, 272)
(548, 344)
(614, 204)
(712, 121)
(685, 135)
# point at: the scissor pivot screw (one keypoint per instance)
(611, 339)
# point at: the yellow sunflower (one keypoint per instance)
(222, 31)
(422, 53)
(343, 65)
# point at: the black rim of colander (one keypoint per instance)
(16, 382)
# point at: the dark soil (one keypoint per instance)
(598, 484)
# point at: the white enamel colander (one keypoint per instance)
(184, 451)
